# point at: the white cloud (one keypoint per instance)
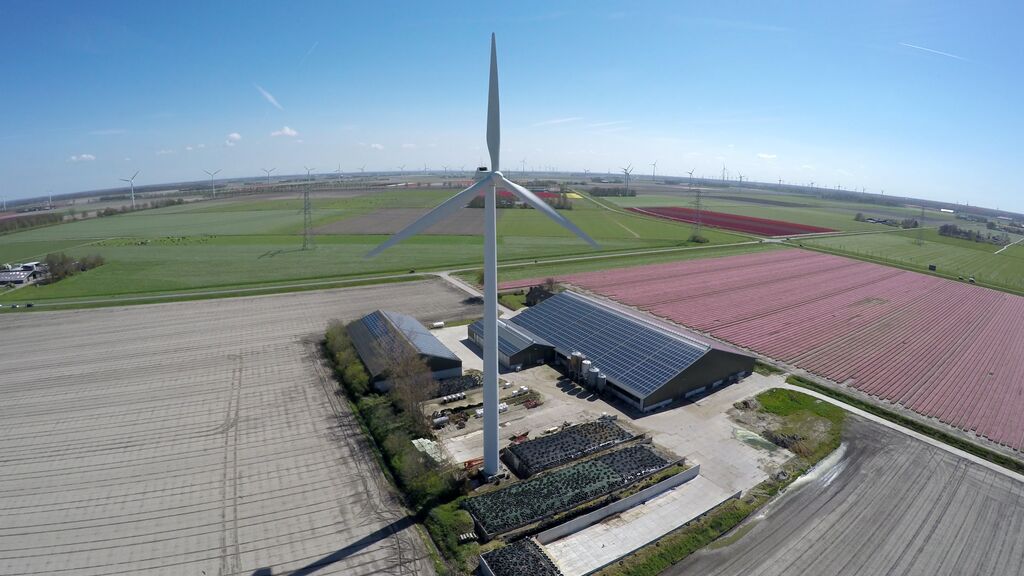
(765, 156)
(558, 121)
(232, 139)
(82, 158)
(408, 145)
(299, 140)
(164, 152)
(200, 146)
(807, 166)
(188, 148)
(377, 146)
(269, 97)
(286, 131)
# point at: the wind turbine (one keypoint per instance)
(627, 171)
(338, 171)
(523, 172)
(401, 169)
(488, 185)
(213, 187)
(739, 176)
(654, 171)
(308, 170)
(268, 174)
(131, 182)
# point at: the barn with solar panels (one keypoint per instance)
(516, 347)
(615, 351)
(381, 336)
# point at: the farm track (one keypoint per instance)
(190, 437)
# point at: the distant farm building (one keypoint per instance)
(516, 347)
(381, 336)
(612, 351)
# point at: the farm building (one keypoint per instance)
(516, 347)
(644, 364)
(381, 336)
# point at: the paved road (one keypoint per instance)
(196, 438)
(890, 505)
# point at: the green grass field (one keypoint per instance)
(250, 242)
(952, 257)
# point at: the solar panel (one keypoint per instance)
(633, 354)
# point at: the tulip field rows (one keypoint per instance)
(747, 224)
(944, 349)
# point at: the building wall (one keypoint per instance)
(713, 366)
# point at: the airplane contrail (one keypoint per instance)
(939, 52)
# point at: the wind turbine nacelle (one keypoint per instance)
(481, 173)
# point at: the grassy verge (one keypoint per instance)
(513, 300)
(911, 423)
(223, 293)
(800, 415)
(766, 369)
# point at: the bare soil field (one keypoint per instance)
(888, 504)
(196, 438)
(465, 222)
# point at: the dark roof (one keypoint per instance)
(511, 338)
(634, 354)
(545, 452)
(383, 332)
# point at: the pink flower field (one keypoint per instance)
(942, 348)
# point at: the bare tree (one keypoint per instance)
(411, 381)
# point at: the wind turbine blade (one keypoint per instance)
(531, 199)
(493, 112)
(442, 211)
(134, 175)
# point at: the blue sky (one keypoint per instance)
(915, 98)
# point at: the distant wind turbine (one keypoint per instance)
(488, 185)
(308, 170)
(627, 171)
(213, 186)
(268, 174)
(654, 171)
(131, 182)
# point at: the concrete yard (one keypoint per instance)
(890, 504)
(603, 543)
(196, 438)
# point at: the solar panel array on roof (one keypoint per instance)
(511, 338)
(417, 335)
(633, 354)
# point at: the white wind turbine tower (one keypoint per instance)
(488, 184)
(213, 187)
(131, 182)
(268, 174)
(654, 171)
(627, 171)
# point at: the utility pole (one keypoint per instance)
(920, 228)
(696, 220)
(307, 221)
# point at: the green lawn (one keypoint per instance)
(952, 257)
(250, 242)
